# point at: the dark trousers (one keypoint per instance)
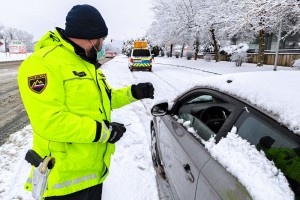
(92, 193)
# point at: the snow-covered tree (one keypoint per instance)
(212, 22)
(173, 21)
(16, 34)
(190, 22)
(1, 31)
(255, 18)
(128, 45)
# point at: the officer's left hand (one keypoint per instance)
(142, 90)
(116, 131)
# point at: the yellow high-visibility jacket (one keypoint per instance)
(66, 100)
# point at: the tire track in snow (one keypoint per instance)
(189, 68)
(181, 66)
(169, 84)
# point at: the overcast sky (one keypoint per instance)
(125, 19)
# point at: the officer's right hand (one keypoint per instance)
(116, 131)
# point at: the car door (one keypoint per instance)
(221, 184)
(182, 152)
(214, 182)
(182, 157)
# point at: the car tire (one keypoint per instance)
(154, 152)
(150, 69)
(155, 156)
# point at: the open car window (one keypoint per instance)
(204, 114)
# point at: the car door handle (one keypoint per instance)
(189, 176)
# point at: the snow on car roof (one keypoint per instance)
(277, 92)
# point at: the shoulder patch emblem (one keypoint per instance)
(37, 83)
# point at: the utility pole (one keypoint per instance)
(277, 49)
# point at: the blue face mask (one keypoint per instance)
(100, 54)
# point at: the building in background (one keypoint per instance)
(290, 44)
(16, 47)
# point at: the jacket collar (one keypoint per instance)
(77, 49)
(58, 38)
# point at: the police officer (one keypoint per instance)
(69, 105)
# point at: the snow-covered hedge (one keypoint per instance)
(296, 63)
(239, 58)
(208, 57)
(238, 53)
(189, 55)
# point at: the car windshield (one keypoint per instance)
(141, 53)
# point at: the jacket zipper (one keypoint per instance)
(100, 96)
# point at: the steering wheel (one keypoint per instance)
(214, 117)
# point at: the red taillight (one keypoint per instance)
(131, 60)
(151, 60)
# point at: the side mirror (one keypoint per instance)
(159, 109)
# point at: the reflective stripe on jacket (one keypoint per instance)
(64, 96)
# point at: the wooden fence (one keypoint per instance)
(284, 59)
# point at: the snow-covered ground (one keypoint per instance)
(132, 175)
(10, 57)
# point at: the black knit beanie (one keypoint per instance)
(85, 22)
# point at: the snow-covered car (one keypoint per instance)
(234, 136)
(110, 54)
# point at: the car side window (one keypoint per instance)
(204, 113)
(278, 147)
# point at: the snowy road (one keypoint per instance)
(12, 114)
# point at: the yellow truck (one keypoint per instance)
(140, 57)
